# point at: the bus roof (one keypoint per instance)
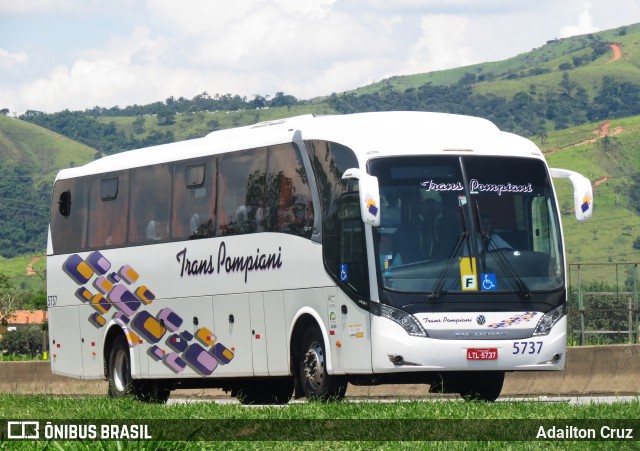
(369, 135)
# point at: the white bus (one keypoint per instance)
(295, 256)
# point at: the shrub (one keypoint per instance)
(26, 341)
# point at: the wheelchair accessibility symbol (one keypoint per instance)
(344, 275)
(488, 282)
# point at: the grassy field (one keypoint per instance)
(339, 425)
(16, 270)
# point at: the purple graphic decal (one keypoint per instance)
(138, 325)
(121, 317)
(177, 343)
(174, 362)
(77, 269)
(99, 303)
(124, 300)
(221, 353)
(145, 295)
(103, 285)
(200, 360)
(155, 353)
(99, 264)
(171, 319)
(132, 338)
(206, 337)
(148, 327)
(97, 320)
(83, 294)
(128, 274)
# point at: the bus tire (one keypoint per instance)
(268, 392)
(315, 381)
(121, 384)
(482, 386)
(119, 369)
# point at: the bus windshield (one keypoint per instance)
(465, 224)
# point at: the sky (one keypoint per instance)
(78, 54)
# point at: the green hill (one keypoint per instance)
(585, 57)
(31, 156)
(576, 99)
(606, 153)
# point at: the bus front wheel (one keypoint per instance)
(316, 382)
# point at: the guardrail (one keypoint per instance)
(603, 303)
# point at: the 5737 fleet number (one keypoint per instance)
(527, 347)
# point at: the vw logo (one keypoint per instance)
(481, 320)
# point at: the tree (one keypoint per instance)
(166, 117)
(138, 125)
(11, 299)
(4, 111)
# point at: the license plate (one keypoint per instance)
(482, 354)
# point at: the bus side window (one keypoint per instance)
(69, 216)
(288, 196)
(108, 210)
(193, 213)
(241, 191)
(150, 202)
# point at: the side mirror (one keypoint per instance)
(582, 192)
(369, 195)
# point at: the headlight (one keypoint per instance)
(548, 320)
(408, 322)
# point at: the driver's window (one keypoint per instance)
(353, 256)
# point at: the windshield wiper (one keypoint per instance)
(437, 288)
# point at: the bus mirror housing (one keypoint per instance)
(369, 195)
(582, 192)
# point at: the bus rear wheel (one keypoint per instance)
(121, 384)
(316, 382)
(276, 391)
(119, 369)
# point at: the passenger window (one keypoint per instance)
(109, 188)
(241, 207)
(69, 219)
(108, 208)
(150, 203)
(288, 196)
(194, 196)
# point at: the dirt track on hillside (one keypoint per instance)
(617, 53)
